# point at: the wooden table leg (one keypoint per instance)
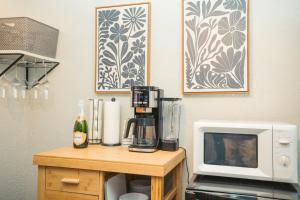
(178, 181)
(157, 188)
(102, 181)
(41, 183)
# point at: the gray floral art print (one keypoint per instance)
(215, 46)
(122, 34)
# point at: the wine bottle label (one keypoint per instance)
(79, 138)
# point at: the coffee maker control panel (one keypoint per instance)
(143, 110)
(144, 97)
(141, 99)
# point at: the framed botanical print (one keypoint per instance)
(122, 47)
(215, 46)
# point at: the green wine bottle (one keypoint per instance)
(80, 134)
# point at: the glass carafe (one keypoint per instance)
(171, 113)
(144, 134)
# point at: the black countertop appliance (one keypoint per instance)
(147, 118)
(221, 188)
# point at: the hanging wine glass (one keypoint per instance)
(30, 84)
(23, 87)
(15, 84)
(45, 84)
(35, 90)
(4, 85)
(26, 84)
(2, 92)
(33, 84)
(23, 92)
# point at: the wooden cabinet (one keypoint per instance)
(79, 174)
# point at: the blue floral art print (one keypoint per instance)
(215, 46)
(122, 37)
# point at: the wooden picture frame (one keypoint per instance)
(122, 47)
(221, 28)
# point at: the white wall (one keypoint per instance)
(26, 129)
(13, 132)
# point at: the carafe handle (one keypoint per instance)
(130, 121)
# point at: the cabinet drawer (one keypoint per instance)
(55, 195)
(72, 180)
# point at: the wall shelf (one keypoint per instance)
(30, 67)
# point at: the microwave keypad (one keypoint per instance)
(284, 146)
(284, 160)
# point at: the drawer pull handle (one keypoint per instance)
(70, 181)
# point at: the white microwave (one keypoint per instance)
(250, 150)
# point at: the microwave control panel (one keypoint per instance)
(285, 153)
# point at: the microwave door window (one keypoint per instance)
(239, 150)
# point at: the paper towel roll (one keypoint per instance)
(100, 119)
(111, 125)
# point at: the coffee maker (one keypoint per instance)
(147, 118)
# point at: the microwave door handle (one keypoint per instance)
(284, 141)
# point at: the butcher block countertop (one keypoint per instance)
(112, 159)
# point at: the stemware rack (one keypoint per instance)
(31, 67)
